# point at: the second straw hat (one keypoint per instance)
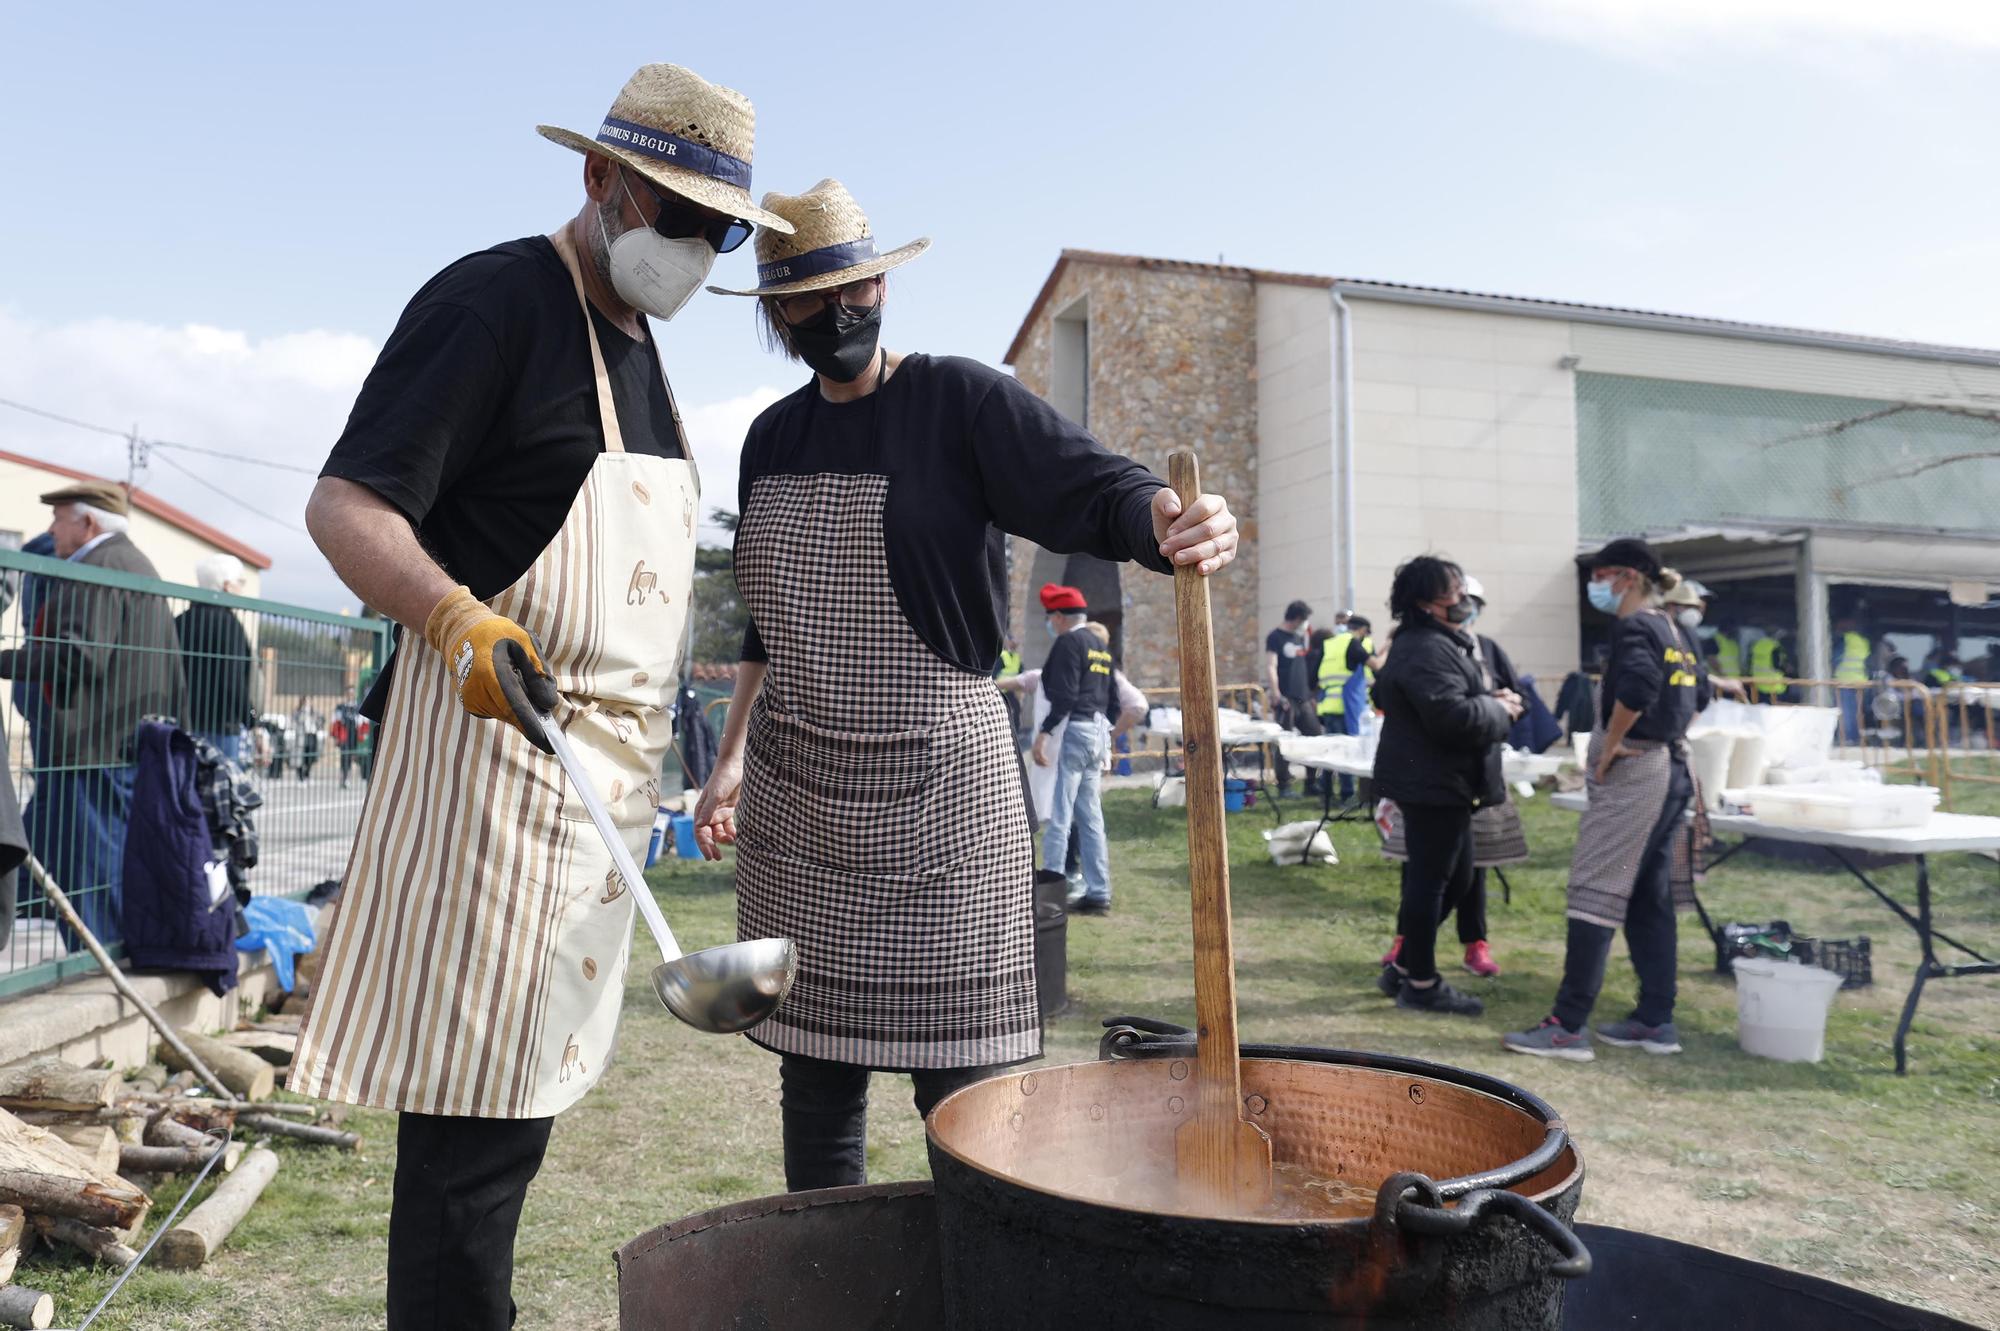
(830, 245)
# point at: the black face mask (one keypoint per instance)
(839, 342)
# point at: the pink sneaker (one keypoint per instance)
(1479, 959)
(1395, 950)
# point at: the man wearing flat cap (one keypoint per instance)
(513, 488)
(102, 658)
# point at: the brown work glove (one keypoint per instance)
(493, 664)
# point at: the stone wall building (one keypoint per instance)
(1354, 424)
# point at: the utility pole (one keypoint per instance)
(135, 458)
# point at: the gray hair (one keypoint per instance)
(106, 520)
(216, 572)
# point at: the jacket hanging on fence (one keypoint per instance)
(229, 798)
(1576, 704)
(172, 920)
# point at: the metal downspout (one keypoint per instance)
(1341, 414)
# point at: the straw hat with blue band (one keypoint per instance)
(683, 133)
(826, 243)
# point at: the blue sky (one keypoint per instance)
(213, 213)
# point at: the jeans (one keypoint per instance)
(1078, 792)
(1850, 716)
(75, 822)
(460, 1185)
(1436, 879)
(1651, 929)
(825, 1110)
(1294, 714)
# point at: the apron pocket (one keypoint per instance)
(851, 800)
(621, 750)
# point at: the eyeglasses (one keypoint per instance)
(684, 219)
(862, 295)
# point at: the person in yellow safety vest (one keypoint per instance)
(1767, 669)
(1725, 653)
(1346, 652)
(1850, 674)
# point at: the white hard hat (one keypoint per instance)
(1473, 588)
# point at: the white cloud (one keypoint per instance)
(715, 432)
(283, 398)
(1814, 30)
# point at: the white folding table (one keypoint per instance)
(1944, 834)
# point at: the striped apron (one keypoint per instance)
(881, 824)
(476, 961)
(1611, 836)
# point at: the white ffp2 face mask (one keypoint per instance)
(1689, 617)
(651, 273)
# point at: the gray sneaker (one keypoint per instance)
(1550, 1040)
(1631, 1034)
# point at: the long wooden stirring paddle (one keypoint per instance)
(1222, 1159)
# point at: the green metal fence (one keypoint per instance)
(87, 652)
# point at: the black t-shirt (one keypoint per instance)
(1654, 670)
(1290, 649)
(1077, 678)
(970, 455)
(479, 420)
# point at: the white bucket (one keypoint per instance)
(1781, 1008)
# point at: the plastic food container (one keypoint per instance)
(1781, 1009)
(1845, 807)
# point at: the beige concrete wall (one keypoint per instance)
(1298, 490)
(1465, 445)
(1172, 365)
(87, 1019)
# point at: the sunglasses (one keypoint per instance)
(683, 219)
(862, 295)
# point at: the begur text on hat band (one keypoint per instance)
(664, 147)
(829, 259)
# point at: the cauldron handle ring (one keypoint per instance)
(1396, 1207)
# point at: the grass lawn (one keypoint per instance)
(1841, 1169)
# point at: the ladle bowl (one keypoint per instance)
(730, 988)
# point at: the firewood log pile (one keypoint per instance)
(82, 1149)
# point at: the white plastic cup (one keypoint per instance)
(1781, 1008)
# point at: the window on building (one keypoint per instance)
(1069, 374)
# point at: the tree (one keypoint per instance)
(720, 616)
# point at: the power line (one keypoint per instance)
(66, 420)
(159, 443)
(248, 507)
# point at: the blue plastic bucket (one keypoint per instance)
(1235, 795)
(684, 845)
(657, 842)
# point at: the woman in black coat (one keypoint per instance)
(1439, 759)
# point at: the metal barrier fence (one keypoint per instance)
(86, 653)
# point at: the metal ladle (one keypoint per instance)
(720, 989)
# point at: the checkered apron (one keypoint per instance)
(476, 961)
(881, 825)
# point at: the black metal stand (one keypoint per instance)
(1929, 968)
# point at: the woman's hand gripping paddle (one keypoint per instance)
(1223, 1160)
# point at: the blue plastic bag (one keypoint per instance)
(284, 929)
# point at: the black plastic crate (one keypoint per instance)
(1849, 958)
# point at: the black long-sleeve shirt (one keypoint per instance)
(1657, 672)
(1076, 679)
(971, 455)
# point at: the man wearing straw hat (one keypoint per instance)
(514, 489)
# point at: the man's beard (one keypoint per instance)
(610, 226)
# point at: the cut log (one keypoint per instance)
(274, 1047)
(245, 1074)
(95, 1142)
(204, 1230)
(164, 1159)
(278, 1127)
(50, 1083)
(46, 1176)
(9, 1258)
(24, 1307)
(209, 1106)
(106, 1245)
